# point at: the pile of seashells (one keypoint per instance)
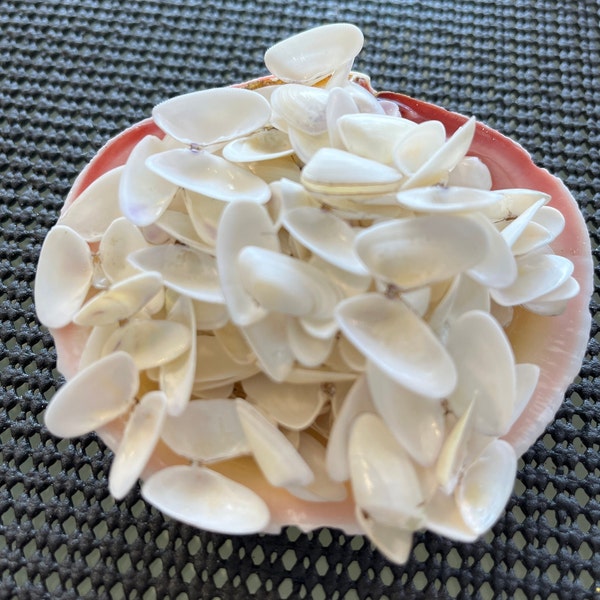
(297, 275)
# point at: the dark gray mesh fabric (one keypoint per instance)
(74, 73)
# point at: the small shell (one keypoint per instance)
(96, 207)
(143, 195)
(277, 458)
(306, 145)
(206, 431)
(308, 350)
(234, 344)
(371, 323)
(180, 227)
(311, 55)
(443, 517)
(183, 270)
(209, 315)
(442, 199)
(92, 351)
(266, 144)
(471, 171)
(301, 107)
(527, 377)
(417, 145)
(337, 172)
(95, 396)
(208, 174)
(121, 301)
(215, 366)
(63, 277)
(515, 202)
(212, 116)
(206, 499)
(411, 253)
(137, 444)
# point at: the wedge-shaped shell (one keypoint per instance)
(206, 499)
(442, 199)
(337, 172)
(94, 397)
(177, 376)
(326, 235)
(120, 239)
(205, 214)
(120, 301)
(206, 431)
(471, 171)
(399, 343)
(309, 351)
(234, 344)
(212, 116)
(242, 224)
(137, 444)
(284, 284)
(294, 406)
(516, 227)
(208, 174)
(415, 421)
(209, 315)
(384, 480)
(443, 517)
(486, 486)
(393, 542)
(96, 207)
(322, 488)
(306, 145)
(215, 366)
(63, 278)
(150, 342)
(183, 270)
(180, 227)
(339, 103)
(94, 345)
(417, 145)
(515, 202)
(302, 108)
(312, 55)
(538, 274)
(486, 371)
(143, 195)
(277, 458)
(372, 136)
(266, 144)
(415, 252)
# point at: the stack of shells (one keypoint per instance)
(297, 275)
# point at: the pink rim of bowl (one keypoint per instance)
(557, 344)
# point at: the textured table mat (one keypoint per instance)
(73, 74)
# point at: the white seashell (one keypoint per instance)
(215, 366)
(180, 227)
(411, 253)
(515, 202)
(121, 301)
(350, 284)
(417, 299)
(176, 377)
(417, 145)
(95, 208)
(94, 345)
(516, 227)
(302, 375)
(205, 214)
(277, 458)
(234, 343)
(183, 270)
(484, 360)
(538, 275)
(551, 219)
(206, 499)
(322, 488)
(95, 396)
(326, 235)
(209, 315)
(217, 393)
(311, 55)
(150, 342)
(416, 422)
(533, 237)
(291, 195)
(384, 480)
(242, 224)
(356, 402)
(294, 406)
(212, 116)
(390, 108)
(63, 277)
(365, 100)
(275, 169)
(323, 329)
(372, 323)
(437, 167)
(306, 145)
(454, 452)
(372, 136)
(442, 199)
(353, 358)
(120, 239)
(471, 171)
(301, 107)
(393, 542)
(527, 376)
(333, 171)
(137, 444)
(486, 486)
(308, 350)
(143, 195)
(265, 144)
(154, 235)
(443, 518)
(339, 103)
(206, 431)
(208, 174)
(284, 284)
(268, 340)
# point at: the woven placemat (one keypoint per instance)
(74, 73)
